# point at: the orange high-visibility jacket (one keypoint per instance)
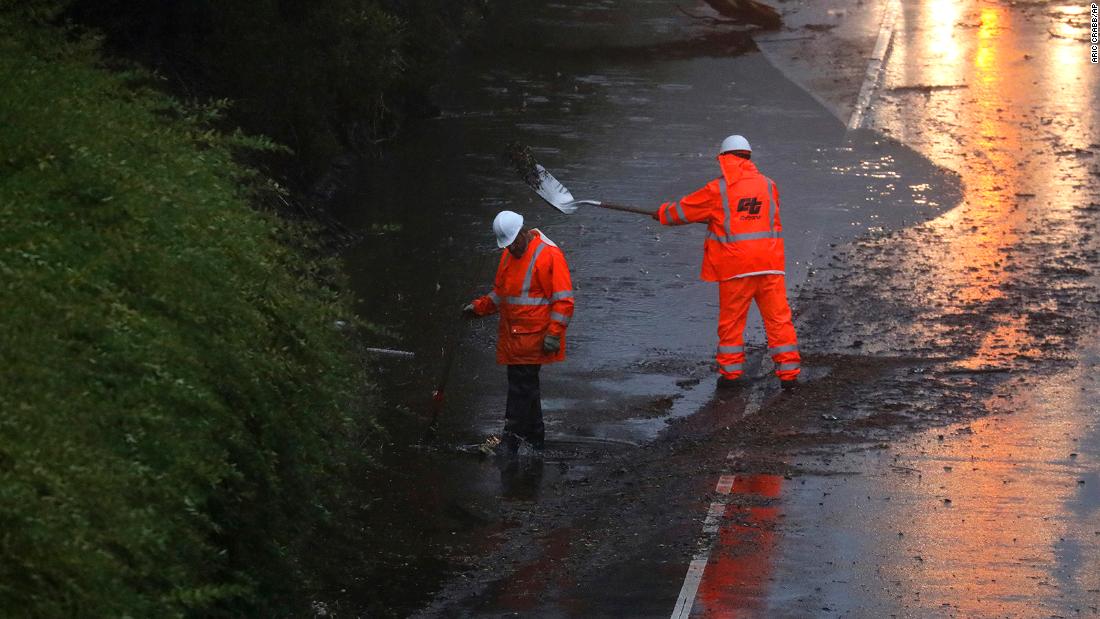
(741, 210)
(534, 296)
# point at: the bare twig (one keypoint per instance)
(976, 371)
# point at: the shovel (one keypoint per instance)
(551, 190)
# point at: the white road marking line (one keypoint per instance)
(691, 587)
(698, 564)
(725, 484)
(711, 524)
(756, 400)
(714, 515)
(876, 65)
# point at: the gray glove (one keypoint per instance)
(551, 344)
(468, 311)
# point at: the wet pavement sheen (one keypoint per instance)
(612, 122)
(996, 516)
(942, 460)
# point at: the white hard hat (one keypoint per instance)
(507, 226)
(734, 142)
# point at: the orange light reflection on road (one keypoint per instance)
(941, 43)
(976, 560)
(1072, 77)
(987, 52)
(735, 583)
(993, 551)
(975, 266)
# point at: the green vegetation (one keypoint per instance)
(322, 78)
(173, 395)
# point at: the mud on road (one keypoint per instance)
(920, 334)
(940, 457)
(614, 535)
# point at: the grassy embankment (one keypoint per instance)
(323, 78)
(173, 395)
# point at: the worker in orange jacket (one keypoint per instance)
(534, 295)
(743, 252)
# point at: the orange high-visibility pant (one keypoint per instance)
(770, 294)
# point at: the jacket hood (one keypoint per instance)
(733, 167)
(545, 239)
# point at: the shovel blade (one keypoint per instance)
(554, 192)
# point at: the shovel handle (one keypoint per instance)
(628, 209)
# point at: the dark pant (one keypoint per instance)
(523, 414)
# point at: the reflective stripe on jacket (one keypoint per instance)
(741, 210)
(534, 295)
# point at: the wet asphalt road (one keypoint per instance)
(626, 114)
(996, 515)
(942, 458)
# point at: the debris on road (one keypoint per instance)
(489, 446)
(524, 163)
(750, 11)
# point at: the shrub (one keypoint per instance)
(173, 394)
(322, 78)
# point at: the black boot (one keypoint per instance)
(729, 383)
(508, 445)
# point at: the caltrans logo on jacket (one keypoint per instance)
(534, 295)
(741, 210)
